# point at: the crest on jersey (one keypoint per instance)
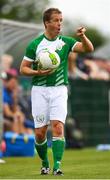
(40, 118)
(60, 44)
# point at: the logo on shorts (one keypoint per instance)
(40, 118)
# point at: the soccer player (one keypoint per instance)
(49, 91)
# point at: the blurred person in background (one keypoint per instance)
(73, 71)
(13, 117)
(6, 64)
(96, 72)
(49, 99)
(103, 64)
(93, 68)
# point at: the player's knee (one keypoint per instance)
(58, 130)
(40, 136)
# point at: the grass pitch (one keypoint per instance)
(77, 164)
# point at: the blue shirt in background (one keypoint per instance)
(7, 97)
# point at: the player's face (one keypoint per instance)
(54, 25)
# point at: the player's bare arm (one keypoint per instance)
(85, 45)
(26, 69)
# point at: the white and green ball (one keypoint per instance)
(48, 59)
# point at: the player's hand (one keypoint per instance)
(41, 72)
(80, 31)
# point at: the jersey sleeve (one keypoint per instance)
(30, 54)
(72, 42)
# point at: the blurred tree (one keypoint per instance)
(23, 10)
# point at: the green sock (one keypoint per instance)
(58, 146)
(42, 152)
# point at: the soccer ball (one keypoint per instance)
(48, 59)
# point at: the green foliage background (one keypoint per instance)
(23, 10)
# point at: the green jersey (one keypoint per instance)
(62, 45)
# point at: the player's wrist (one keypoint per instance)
(38, 72)
(82, 36)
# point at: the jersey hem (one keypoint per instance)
(51, 85)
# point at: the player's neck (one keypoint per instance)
(50, 36)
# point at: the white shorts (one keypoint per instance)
(48, 103)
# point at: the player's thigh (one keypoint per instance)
(58, 107)
(39, 107)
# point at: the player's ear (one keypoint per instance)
(46, 23)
